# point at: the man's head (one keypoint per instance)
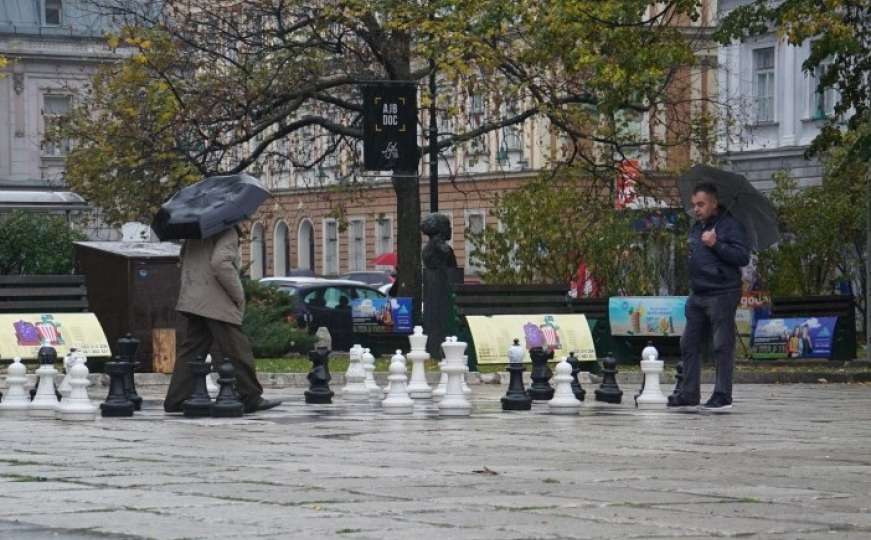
(705, 201)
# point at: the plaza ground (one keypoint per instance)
(792, 461)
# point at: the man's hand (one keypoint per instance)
(709, 238)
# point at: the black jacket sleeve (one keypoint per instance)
(731, 246)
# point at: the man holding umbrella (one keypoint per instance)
(717, 251)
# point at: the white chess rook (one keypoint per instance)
(369, 365)
(77, 406)
(398, 400)
(454, 402)
(651, 397)
(417, 386)
(355, 377)
(45, 401)
(563, 400)
(16, 398)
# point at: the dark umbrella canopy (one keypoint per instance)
(209, 207)
(738, 196)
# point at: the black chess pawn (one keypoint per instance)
(516, 398)
(227, 404)
(199, 403)
(319, 377)
(608, 391)
(117, 403)
(46, 356)
(127, 347)
(540, 389)
(678, 379)
(577, 390)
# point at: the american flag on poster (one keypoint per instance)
(626, 183)
(551, 337)
(48, 332)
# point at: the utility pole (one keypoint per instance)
(433, 139)
(867, 261)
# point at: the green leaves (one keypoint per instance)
(35, 243)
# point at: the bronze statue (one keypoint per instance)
(439, 264)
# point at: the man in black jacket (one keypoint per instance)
(717, 251)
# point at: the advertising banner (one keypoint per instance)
(22, 334)
(390, 126)
(661, 316)
(493, 335)
(802, 337)
(382, 315)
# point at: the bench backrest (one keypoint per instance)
(43, 293)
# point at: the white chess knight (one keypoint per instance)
(355, 378)
(368, 361)
(73, 358)
(16, 397)
(417, 385)
(77, 405)
(563, 400)
(211, 385)
(454, 402)
(398, 400)
(45, 401)
(651, 396)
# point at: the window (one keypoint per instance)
(385, 236)
(822, 101)
(53, 12)
(763, 83)
(357, 245)
(55, 106)
(331, 247)
(474, 225)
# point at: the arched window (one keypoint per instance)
(258, 253)
(281, 249)
(306, 245)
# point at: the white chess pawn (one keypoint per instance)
(466, 390)
(369, 366)
(417, 386)
(77, 406)
(16, 397)
(398, 401)
(355, 378)
(45, 401)
(651, 396)
(211, 385)
(454, 402)
(563, 400)
(70, 360)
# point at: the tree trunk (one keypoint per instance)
(408, 243)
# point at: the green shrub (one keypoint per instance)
(266, 322)
(36, 243)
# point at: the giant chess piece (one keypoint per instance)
(369, 366)
(516, 398)
(417, 385)
(45, 401)
(651, 366)
(678, 379)
(439, 391)
(211, 385)
(564, 400)
(454, 402)
(608, 391)
(398, 401)
(33, 391)
(127, 347)
(117, 403)
(355, 378)
(466, 389)
(199, 403)
(64, 387)
(16, 398)
(77, 406)
(579, 392)
(227, 404)
(540, 389)
(319, 377)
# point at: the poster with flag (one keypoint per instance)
(626, 183)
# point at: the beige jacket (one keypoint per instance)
(210, 284)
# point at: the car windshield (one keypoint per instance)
(289, 289)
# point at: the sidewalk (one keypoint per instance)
(791, 462)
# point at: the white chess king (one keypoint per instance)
(417, 385)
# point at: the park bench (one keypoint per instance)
(841, 306)
(43, 293)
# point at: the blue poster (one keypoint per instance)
(805, 337)
(647, 315)
(382, 315)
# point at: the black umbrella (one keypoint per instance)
(738, 196)
(208, 207)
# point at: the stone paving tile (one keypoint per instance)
(792, 462)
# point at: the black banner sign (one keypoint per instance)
(390, 126)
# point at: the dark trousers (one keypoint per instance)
(230, 341)
(709, 315)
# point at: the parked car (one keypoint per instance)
(376, 278)
(325, 302)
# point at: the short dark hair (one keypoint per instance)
(706, 187)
